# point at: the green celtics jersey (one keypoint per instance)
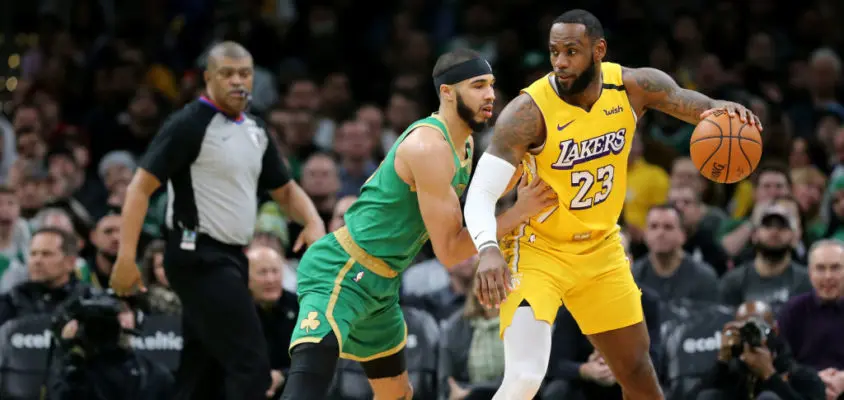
(385, 221)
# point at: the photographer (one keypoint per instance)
(755, 363)
(95, 360)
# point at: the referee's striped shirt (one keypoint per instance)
(214, 166)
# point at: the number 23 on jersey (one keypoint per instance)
(585, 181)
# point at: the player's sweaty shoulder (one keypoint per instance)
(519, 127)
(424, 150)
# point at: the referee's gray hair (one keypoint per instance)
(823, 243)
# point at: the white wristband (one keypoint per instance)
(488, 184)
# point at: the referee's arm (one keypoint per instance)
(174, 147)
(290, 196)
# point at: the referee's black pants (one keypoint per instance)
(225, 353)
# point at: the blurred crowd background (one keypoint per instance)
(85, 85)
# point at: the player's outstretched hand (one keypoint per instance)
(735, 110)
(312, 232)
(492, 280)
(126, 277)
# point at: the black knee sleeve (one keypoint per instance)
(386, 367)
(311, 369)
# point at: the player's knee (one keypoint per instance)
(637, 368)
(401, 389)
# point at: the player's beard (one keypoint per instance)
(773, 254)
(468, 115)
(581, 82)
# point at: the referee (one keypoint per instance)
(214, 158)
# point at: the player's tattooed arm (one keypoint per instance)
(650, 88)
(519, 128)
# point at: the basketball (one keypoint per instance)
(724, 149)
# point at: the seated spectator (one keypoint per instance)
(355, 146)
(684, 173)
(337, 218)
(812, 324)
(271, 231)
(835, 228)
(444, 302)
(772, 276)
(277, 310)
(765, 372)
(471, 355)
(700, 223)
(769, 182)
(106, 240)
(14, 231)
(577, 371)
(801, 243)
(51, 257)
(271, 219)
(162, 299)
(46, 218)
(667, 269)
(809, 188)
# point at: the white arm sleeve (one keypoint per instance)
(490, 181)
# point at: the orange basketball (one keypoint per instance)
(724, 149)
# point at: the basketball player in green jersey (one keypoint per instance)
(349, 280)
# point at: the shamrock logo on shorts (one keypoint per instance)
(310, 323)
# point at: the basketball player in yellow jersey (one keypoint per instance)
(573, 129)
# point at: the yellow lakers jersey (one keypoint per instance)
(584, 159)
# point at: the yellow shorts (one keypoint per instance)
(597, 287)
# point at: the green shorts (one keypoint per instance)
(338, 294)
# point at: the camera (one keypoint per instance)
(96, 312)
(754, 332)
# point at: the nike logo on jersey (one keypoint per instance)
(561, 127)
(614, 110)
(573, 153)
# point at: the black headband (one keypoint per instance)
(460, 72)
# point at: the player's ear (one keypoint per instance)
(600, 50)
(206, 75)
(446, 93)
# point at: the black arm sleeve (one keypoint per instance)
(274, 173)
(178, 142)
